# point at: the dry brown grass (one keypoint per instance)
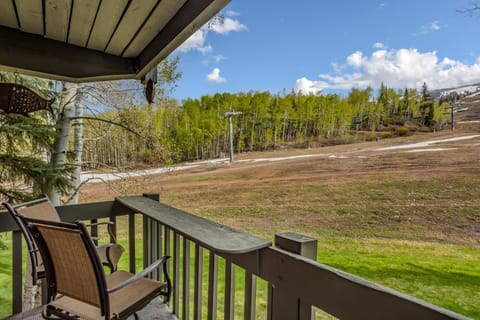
(358, 190)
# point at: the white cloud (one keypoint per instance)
(196, 42)
(219, 58)
(435, 25)
(397, 69)
(355, 59)
(337, 68)
(378, 45)
(308, 86)
(214, 76)
(429, 27)
(228, 25)
(214, 59)
(231, 13)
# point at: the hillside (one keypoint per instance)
(463, 91)
(402, 212)
(421, 187)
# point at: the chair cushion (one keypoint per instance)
(120, 301)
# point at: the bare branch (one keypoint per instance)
(472, 9)
(110, 122)
(77, 189)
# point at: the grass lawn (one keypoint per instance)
(409, 221)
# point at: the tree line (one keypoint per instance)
(167, 132)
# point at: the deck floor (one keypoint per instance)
(155, 310)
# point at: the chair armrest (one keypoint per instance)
(110, 254)
(109, 225)
(100, 223)
(142, 274)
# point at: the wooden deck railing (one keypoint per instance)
(294, 284)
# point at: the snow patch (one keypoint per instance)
(92, 177)
(428, 143)
(466, 90)
(279, 158)
(431, 150)
(472, 121)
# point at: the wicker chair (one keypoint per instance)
(77, 284)
(43, 209)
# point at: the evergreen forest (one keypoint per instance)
(165, 132)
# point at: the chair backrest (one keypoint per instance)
(72, 265)
(41, 208)
(38, 209)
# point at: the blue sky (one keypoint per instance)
(331, 45)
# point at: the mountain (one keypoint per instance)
(462, 91)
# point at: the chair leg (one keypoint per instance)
(136, 316)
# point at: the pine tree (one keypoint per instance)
(24, 172)
(427, 107)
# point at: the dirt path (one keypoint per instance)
(456, 151)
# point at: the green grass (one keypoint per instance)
(414, 233)
(446, 275)
(5, 279)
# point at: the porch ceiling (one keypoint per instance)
(90, 40)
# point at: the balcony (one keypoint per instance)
(218, 272)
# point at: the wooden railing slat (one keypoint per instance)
(131, 242)
(166, 246)
(146, 242)
(250, 295)
(158, 253)
(176, 273)
(197, 297)
(229, 305)
(186, 279)
(212, 286)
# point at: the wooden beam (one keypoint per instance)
(131, 22)
(38, 56)
(159, 18)
(85, 211)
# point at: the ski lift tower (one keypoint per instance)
(229, 115)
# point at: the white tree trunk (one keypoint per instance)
(67, 110)
(77, 147)
(31, 291)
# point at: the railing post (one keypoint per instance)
(131, 241)
(152, 195)
(150, 238)
(284, 305)
(298, 244)
(17, 271)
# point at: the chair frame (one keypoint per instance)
(103, 291)
(31, 247)
(38, 274)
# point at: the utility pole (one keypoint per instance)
(229, 115)
(452, 125)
